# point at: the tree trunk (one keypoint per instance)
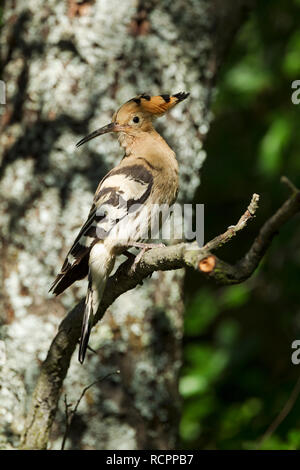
(67, 66)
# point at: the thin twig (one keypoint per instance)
(285, 180)
(283, 413)
(68, 421)
(220, 240)
(70, 414)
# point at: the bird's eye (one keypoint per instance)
(136, 119)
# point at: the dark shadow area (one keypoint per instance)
(238, 373)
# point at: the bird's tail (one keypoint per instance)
(101, 263)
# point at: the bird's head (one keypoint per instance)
(137, 114)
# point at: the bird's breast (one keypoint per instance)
(166, 185)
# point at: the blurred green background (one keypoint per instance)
(238, 374)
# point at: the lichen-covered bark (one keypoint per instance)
(67, 66)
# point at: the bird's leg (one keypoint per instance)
(145, 247)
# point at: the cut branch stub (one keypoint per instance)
(207, 264)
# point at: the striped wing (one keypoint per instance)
(120, 191)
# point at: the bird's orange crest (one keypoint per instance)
(158, 105)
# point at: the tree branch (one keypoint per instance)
(54, 368)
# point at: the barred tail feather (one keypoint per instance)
(101, 263)
(87, 324)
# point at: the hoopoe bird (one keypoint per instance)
(146, 177)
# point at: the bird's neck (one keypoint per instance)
(145, 143)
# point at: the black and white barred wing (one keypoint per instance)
(117, 216)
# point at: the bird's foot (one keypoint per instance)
(144, 247)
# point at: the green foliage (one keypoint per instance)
(291, 61)
(235, 296)
(202, 311)
(237, 373)
(272, 146)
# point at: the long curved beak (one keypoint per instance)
(112, 127)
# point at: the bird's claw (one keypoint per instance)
(145, 247)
